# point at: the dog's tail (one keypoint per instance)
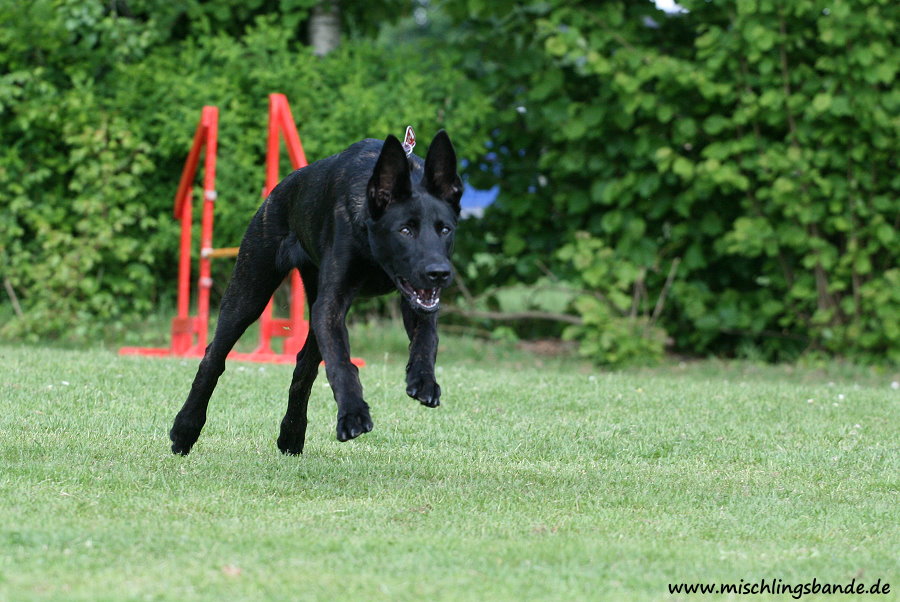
(290, 254)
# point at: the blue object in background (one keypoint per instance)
(474, 201)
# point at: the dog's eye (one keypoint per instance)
(406, 231)
(444, 230)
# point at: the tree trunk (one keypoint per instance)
(325, 27)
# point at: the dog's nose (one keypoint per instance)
(438, 273)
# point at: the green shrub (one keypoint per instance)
(619, 319)
(98, 113)
(754, 141)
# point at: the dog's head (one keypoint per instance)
(413, 211)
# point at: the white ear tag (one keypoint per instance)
(409, 141)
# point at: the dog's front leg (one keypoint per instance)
(423, 344)
(328, 321)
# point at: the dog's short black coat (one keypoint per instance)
(366, 221)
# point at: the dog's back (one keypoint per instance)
(312, 198)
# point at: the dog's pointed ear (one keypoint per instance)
(441, 178)
(390, 180)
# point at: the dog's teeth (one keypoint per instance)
(427, 298)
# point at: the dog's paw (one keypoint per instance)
(353, 423)
(292, 437)
(290, 445)
(426, 390)
(183, 436)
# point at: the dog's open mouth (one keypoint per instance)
(427, 299)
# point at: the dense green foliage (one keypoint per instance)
(756, 142)
(742, 152)
(99, 109)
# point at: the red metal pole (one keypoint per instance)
(298, 324)
(289, 131)
(182, 326)
(210, 120)
(272, 148)
(181, 331)
(189, 169)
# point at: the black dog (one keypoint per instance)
(366, 221)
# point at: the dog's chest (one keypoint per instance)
(374, 281)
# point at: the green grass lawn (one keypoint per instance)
(534, 480)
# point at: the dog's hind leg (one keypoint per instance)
(423, 344)
(256, 276)
(293, 425)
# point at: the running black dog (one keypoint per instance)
(365, 222)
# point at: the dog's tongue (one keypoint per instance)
(427, 297)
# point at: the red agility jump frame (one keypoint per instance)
(295, 328)
(190, 334)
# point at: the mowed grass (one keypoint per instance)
(534, 480)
